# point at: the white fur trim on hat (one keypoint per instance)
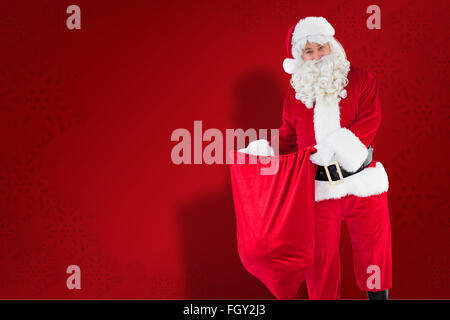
(312, 26)
(312, 29)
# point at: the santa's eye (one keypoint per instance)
(320, 48)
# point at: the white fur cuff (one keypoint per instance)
(350, 151)
(259, 148)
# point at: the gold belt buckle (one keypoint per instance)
(338, 169)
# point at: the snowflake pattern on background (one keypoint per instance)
(285, 9)
(39, 98)
(245, 15)
(38, 104)
(35, 272)
(99, 277)
(32, 221)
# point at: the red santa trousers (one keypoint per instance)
(275, 217)
(367, 221)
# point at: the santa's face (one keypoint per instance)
(315, 51)
(323, 73)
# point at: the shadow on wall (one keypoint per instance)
(208, 224)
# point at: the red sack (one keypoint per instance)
(275, 217)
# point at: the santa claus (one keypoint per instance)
(335, 107)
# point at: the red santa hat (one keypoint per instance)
(312, 29)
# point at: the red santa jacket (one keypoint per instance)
(360, 112)
(350, 128)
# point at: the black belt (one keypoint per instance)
(337, 173)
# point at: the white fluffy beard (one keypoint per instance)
(315, 79)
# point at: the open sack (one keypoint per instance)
(275, 217)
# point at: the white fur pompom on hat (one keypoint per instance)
(289, 65)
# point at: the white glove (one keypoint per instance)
(259, 148)
(323, 156)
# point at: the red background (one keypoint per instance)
(86, 118)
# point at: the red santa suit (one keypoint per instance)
(360, 200)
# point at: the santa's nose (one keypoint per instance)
(317, 56)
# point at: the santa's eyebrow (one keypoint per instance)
(320, 45)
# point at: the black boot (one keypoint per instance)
(378, 295)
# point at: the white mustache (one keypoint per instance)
(315, 78)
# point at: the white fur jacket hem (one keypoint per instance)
(368, 182)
